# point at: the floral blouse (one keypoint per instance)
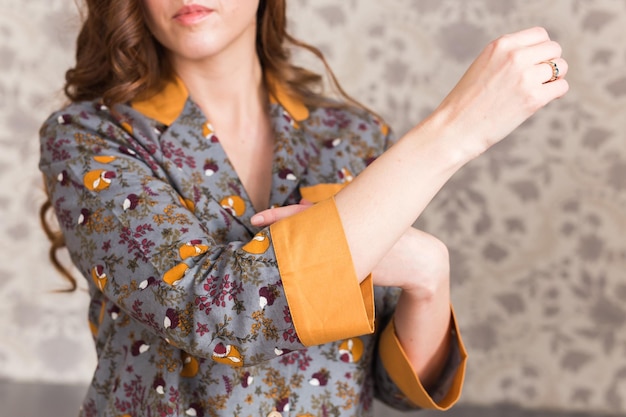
(194, 311)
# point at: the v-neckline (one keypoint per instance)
(265, 170)
(293, 146)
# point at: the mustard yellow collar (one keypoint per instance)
(296, 109)
(166, 105)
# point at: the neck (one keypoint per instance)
(228, 87)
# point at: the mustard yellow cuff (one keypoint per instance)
(325, 299)
(401, 372)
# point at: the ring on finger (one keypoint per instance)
(555, 70)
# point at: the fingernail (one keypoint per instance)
(257, 219)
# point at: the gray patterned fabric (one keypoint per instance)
(536, 226)
(57, 400)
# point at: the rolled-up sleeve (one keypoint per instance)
(402, 387)
(318, 277)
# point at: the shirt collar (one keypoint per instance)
(166, 105)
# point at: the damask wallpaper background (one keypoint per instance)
(536, 226)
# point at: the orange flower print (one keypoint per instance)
(190, 365)
(259, 244)
(351, 350)
(175, 274)
(193, 248)
(98, 179)
(228, 355)
(234, 204)
(99, 277)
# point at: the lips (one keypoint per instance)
(191, 14)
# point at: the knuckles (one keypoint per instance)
(517, 58)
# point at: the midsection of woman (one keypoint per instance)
(141, 374)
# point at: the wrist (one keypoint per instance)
(453, 142)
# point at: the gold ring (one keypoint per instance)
(555, 70)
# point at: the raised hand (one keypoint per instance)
(509, 81)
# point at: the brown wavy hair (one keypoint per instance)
(118, 60)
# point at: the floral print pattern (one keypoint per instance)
(520, 222)
(188, 311)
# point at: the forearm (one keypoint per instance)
(502, 88)
(423, 329)
(388, 196)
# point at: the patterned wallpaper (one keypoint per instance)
(536, 226)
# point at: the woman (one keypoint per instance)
(232, 221)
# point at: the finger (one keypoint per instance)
(527, 37)
(544, 72)
(543, 51)
(270, 216)
(306, 202)
(556, 89)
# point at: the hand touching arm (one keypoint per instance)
(504, 86)
(417, 263)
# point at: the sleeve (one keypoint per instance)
(313, 261)
(397, 384)
(139, 243)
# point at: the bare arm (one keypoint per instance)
(501, 89)
(422, 315)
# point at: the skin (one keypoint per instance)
(504, 86)
(216, 59)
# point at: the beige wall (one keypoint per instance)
(536, 227)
